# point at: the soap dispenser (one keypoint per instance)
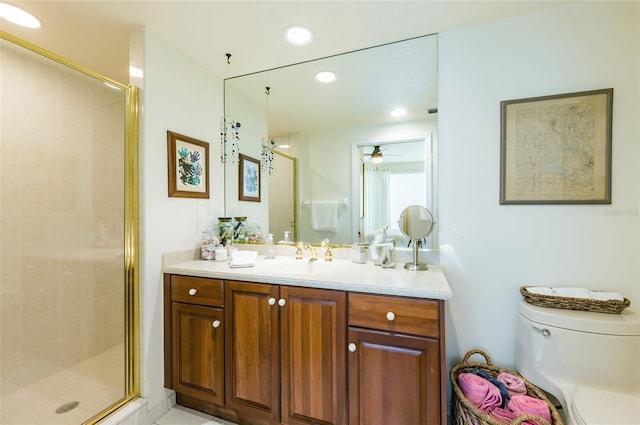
(270, 253)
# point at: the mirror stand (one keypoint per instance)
(416, 223)
(415, 266)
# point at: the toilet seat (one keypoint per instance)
(592, 406)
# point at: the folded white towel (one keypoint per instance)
(584, 293)
(606, 296)
(572, 292)
(324, 216)
(243, 258)
(540, 290)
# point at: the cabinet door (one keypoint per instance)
(313, 330)
(253, 354)
(198, 352)
(393, 379)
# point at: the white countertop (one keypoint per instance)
(338, 274)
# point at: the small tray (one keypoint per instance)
(569, 303)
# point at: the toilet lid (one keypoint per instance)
(599, 407)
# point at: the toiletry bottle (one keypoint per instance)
(287, 238)
(270, 253)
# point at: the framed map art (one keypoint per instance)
(556, 149)
(188, 161)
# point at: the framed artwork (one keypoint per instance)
(556, 149)
(248, 179)
(188, 160)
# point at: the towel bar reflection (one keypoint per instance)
(344, 203)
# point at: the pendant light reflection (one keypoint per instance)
(268, 144)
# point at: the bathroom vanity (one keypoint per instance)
(298, 342)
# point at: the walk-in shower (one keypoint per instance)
(68, 252)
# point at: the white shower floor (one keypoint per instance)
(96, 383)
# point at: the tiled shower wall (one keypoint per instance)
(61, 217)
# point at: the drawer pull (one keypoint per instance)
(193, 291)
(272, 301)
(391, 316)
(352, 347)
(216, 323)
(282, 302)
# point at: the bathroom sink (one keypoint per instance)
(291, 266)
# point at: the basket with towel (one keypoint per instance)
(575, 299)
(484, 394)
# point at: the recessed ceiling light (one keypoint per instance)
(18, 16)
(326, 76)
(284, 146)
(398, 112)
(297, 35)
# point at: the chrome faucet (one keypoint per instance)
(313, 255)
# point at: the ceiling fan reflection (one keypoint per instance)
(376, 155)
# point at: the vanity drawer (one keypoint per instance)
(197, 290)
(395, 314)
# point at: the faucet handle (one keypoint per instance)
(299, 254)
(328, 255)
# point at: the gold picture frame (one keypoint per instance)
(248, 179)
(556, 149)
(188, 161)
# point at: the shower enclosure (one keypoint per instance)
(68, 252)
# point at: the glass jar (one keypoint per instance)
(254, 234)
(208, 246)
(225, 230)
(240, 230)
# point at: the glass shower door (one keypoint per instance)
(65, 304)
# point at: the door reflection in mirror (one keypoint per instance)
(386, 188)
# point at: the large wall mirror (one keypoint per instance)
(350, 163)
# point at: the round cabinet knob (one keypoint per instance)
(352, 347)
(216, 323)
(282, 302)
(391, 316)
(272, 301)
(193, 291)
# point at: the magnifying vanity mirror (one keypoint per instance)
(328, 134)
(416, 223)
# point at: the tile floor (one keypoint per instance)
(180, 415)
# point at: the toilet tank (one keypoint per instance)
(564, 348)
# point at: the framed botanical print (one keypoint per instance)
(248, 179)
(188, 161)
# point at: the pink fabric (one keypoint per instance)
(503, 415)
(479, 391)
(520, 403)
(515, 385)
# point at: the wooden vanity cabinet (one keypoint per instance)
(395, 354)
(286, 362)
(194, 337)
(265, 354)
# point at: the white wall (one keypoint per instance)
(181, 96)
(487, 250)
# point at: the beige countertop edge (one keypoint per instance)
(364, 278)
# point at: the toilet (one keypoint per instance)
(589, 361)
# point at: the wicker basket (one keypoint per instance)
(466, 413)
(568, 303)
